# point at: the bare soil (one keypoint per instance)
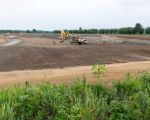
(114, 72)
(140, 37)
(2, 38)
(33, 53)
(40, 58)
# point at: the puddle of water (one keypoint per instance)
(11, 42)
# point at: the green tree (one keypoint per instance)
(28, 31)
(138, 28)
(80, 28)
(34, 30)
(147, 30)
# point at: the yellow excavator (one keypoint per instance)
(75, 39)
(64, 35)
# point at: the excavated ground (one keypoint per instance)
(40, 53)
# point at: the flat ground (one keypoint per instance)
(40, 53)
(36, 52)
(114, 72)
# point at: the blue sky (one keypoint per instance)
(72, 14)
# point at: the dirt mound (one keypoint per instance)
(2, 38)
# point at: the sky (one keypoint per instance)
(72, 14)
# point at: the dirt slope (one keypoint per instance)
(21, 57)
(68, 75)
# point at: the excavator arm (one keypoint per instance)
(64, 35)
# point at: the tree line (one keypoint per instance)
(23, 31)
(138, 29)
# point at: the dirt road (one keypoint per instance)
(68, 75)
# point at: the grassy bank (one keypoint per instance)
(126, 100)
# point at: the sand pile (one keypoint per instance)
(2, 38)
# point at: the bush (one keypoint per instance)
(127, 100)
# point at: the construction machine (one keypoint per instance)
(75, 39)
(64, 35)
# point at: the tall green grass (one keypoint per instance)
(126, 100)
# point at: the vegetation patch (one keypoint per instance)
(126, 100)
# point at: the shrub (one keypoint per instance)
(98, 71)
(128, 100)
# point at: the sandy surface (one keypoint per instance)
(2, 39)
(70, 74)
(11, 42)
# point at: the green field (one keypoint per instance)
(125, 100)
